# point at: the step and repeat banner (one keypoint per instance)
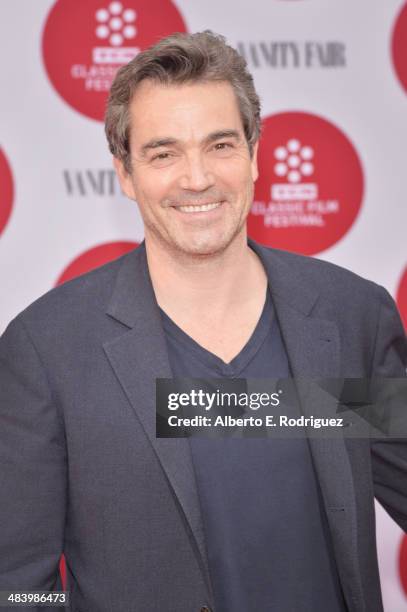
(332, 77)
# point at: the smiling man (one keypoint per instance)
(183, 525)
(194, 177)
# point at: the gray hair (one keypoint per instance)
(178, 59)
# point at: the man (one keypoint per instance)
(150, 524)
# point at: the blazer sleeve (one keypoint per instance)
(389, 456)
(33, 469)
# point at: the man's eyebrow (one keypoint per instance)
(156, 143)
(219, 134)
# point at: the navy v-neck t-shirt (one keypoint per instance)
(266, 533)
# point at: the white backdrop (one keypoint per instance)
(327, 62)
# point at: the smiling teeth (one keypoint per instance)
(202, 208)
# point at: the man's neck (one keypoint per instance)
(211, 287)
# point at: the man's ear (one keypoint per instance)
(124, 177)
(255, 170)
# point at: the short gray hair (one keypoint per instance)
(178, 59)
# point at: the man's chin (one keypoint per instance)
(196, 245)
(209, 245)
(202, 249)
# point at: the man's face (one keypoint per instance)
(192, 175)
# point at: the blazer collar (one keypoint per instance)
(286, 282)
(133, 294)
(133, 288)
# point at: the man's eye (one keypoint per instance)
(222, 145)
(161, 156)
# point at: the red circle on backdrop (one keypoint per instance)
(310, 184)
(403, 563)
(62, 571)
(85, 43)
(6, 191)
(95, 257)
(399, 46)
(402, 297)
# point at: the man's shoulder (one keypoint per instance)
(357, 306)
(326, 278)
(74, 299)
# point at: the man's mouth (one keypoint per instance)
(199, 208)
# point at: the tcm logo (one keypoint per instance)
(310, 187)
(294, 162)
(116, 26)
(6, 191)
(85, 43)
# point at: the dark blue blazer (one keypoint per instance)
(82, 472)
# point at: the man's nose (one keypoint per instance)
(196, 174)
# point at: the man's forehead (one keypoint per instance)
(176, 111)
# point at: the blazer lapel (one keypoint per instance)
(313, 347)
(138, 357)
